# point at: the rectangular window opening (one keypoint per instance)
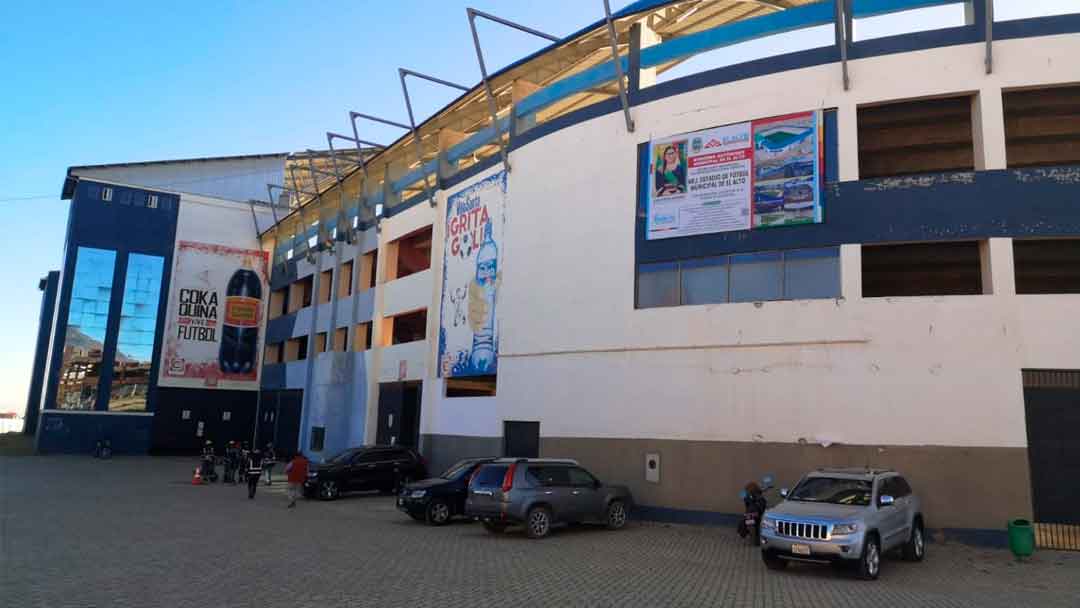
(345, 279)
(320, 342)
(318, 436)
(362, 337)
(922, 269)
(275, 353)
(411, 254)
(88, 318)
(326, 286)
(1045, 266)
(341, 339)
(910, 137)
(300, 293)
(408, 327)
(296, 349)
(473, 386)
(279, 303)
(1042, 126)
(135, 340)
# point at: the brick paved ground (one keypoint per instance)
(134, 532)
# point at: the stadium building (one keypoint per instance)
(863, 252)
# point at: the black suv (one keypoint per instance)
(438, 499)
(378, 467)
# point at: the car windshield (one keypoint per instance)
(341, 457)
(833, 490)
(458, 469)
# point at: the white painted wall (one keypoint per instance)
(905, 371)
(238, 179)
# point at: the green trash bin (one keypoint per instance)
(1021, 538)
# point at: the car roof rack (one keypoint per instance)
(855, 470)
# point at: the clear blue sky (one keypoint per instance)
(92, 83)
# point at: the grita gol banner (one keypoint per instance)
(213, 328)
(472, 274)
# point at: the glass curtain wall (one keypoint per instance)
(88, 317)
(135, 341)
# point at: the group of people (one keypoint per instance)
(253, 465)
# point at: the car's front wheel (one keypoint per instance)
(328, 490)
(616, 515)
(870, 561)
(772, 562)
(538, 522)
(438, 513)
(915, 549)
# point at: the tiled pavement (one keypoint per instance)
(134, 532)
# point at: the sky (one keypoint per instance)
(94, 83)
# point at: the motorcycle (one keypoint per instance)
(754, 506)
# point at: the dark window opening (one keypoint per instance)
(409, 327)
(413, 253)
(1042, 126)
(1047, 266)
(296, 349)
(279, 302)
(474, 386)
(341, 338)
(923, 269)
(318, 436)
(320, 342)
(797, 274)
(300, 293)
(345, 279)
(362, 337)
(326, 285)
(909, 137)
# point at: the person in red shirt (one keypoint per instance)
(296, 472)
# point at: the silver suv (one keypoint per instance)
(542, 492)
(844, 516)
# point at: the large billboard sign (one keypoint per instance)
(736, 177)
(213, 335)
(472, 272)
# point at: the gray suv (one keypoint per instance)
(542, 492)
(844, 516)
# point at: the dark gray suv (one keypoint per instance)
(542, 492)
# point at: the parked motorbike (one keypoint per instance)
(754, 506)
(103, 449)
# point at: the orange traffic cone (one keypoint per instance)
(196, 480)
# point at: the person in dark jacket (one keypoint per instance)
(232, 462)
(268, 461)
(254, 471)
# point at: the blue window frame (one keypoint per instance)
(135, 340)
(87, 323)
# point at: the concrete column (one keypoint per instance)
(847, 131)
(996, 261)
(851, 271)
(377, 332)
(988, 129)
(648, 37)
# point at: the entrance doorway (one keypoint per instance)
(399, 414)
(521, 439)
(1052, 412)
(279, 420)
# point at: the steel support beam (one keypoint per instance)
(493, 108)
(618, 67)
(988, 8)
(402, 73)
(842, 23)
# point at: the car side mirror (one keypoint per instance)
(886, 500)
(783, 492)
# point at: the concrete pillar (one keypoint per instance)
(847, 132)
(988, 129)
(996, 262)
(851, 271)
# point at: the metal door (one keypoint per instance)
(1052, 411)
(388, 431)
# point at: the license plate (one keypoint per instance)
(800, 549)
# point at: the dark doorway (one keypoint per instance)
(399, 414)
(279, 420)
(1052, 410)
(521, 439)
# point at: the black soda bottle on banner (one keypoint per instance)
(240, 328)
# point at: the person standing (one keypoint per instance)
(268, 461)
(254, 471)
(296, 473)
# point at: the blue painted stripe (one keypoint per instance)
(811, 15)
(415, 175)
(872, 8)
(477, 140)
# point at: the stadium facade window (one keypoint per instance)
(135, 340)
(796, 274)
(1042, 126)
(1045, 266)
(922, 269)
(473, 386)
(909, 137)
(87, 322)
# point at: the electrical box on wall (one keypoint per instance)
(652, 467)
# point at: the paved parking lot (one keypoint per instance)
(134, 532)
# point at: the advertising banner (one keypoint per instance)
(213, 335)
(472, 272)
(736, 177)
